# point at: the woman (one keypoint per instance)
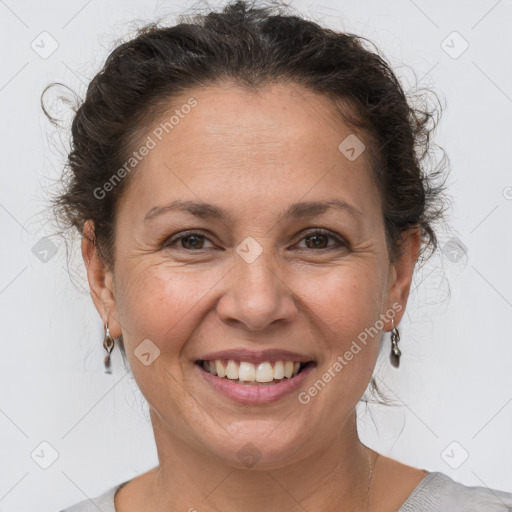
(250, 192)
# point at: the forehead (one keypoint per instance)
(264, 121)
(276, 143)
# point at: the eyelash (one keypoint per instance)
(316, 231)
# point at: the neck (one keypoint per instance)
(335, 477)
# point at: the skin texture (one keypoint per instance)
(253, 154)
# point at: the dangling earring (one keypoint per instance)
(108, 345)
(395, 351)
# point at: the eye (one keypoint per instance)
(318, 238)
(190, 240)
(314, 239)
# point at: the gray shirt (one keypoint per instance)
(437, 492)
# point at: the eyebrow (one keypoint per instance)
(295, 210)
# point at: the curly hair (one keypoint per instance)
(252, 46)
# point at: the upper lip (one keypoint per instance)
(257, 356)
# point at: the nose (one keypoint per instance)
(257, 297)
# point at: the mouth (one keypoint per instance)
(264, 373)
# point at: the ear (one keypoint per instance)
(101, 282)
(401, 274)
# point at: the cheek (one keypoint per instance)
(345, 305)
(345, 301)
(162, 304)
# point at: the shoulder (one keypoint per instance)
(440, 493)
(104, 502)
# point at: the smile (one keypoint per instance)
(249, 383)
(244, 372)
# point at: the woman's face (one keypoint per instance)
(254, 277)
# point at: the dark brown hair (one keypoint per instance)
(253, 45)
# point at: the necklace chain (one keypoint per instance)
(371, 466)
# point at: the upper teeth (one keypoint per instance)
(244, 371)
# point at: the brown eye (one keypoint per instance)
(191, 241)
(319, 239)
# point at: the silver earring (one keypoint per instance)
(395, 351)
(108, 345)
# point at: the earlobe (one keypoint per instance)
(100, 281)
(402, 273)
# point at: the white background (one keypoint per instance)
(455, 380)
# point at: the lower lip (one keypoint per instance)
(255, 394)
